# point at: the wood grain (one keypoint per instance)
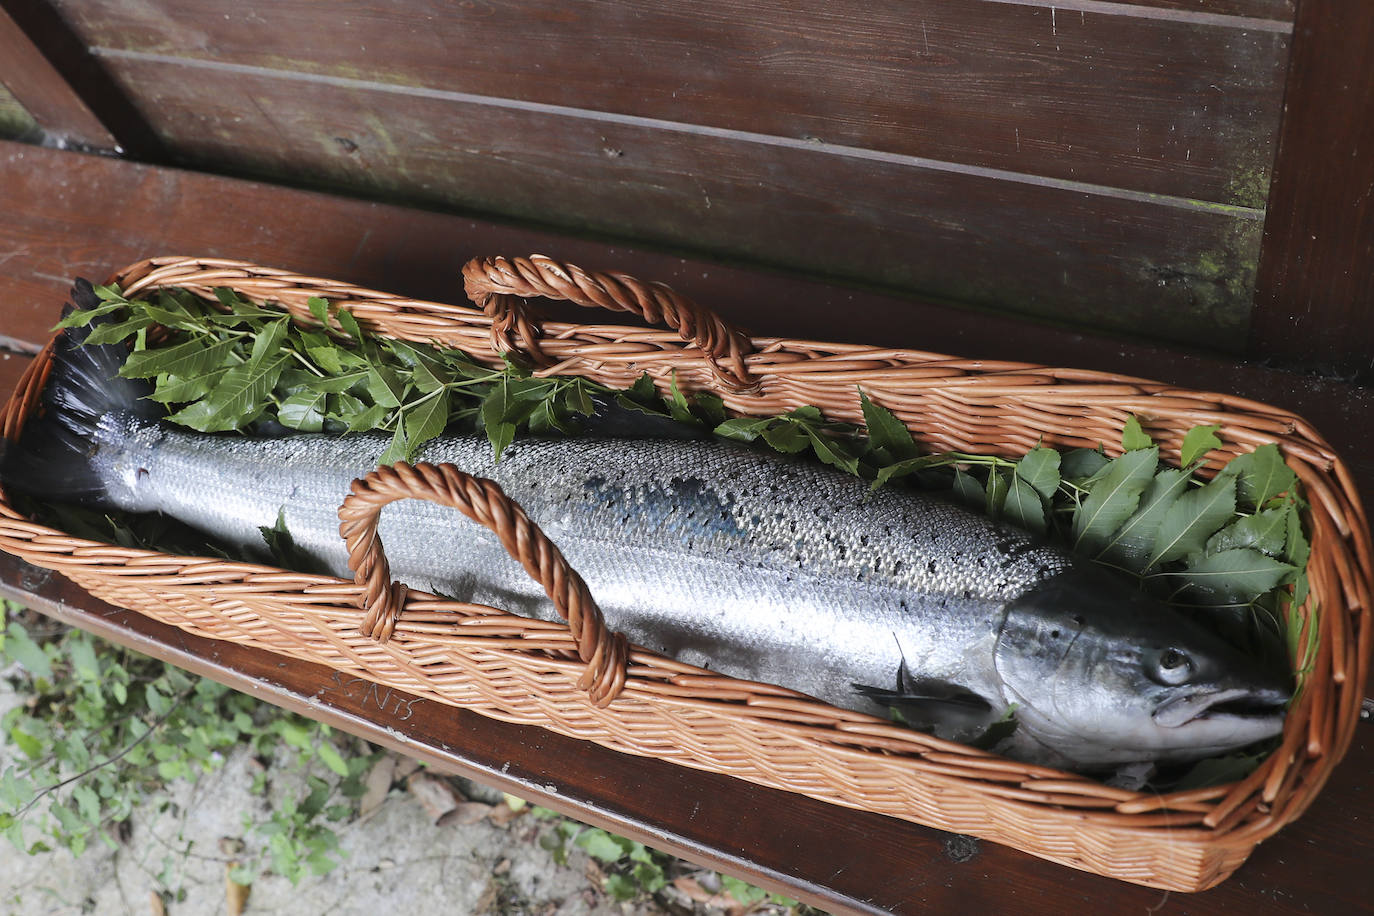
(70, 215)
(843, 861)
(43, 92)
(1126, 264)
(1314, 306)
(1101, 93)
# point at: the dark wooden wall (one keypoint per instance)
(1098, 163)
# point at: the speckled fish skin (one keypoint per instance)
(747, 562)
(753, 565)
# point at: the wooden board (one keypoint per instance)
(1034, 88)
(80, 215)
(30, 78)
(68, 214)
(974, 151)
(844, 861)
(1315, 300)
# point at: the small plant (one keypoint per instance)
(630, 870)
(103, 728)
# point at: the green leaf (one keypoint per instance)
(171, 389)
(87, 803)
(239, 399)
(601, 845)
(1081, 463)
(303, 411)
(578, 400)
(1298, 549)
(969, 491)
(331, 758)
(268, 343)
(832, 451)
(26, 652)
(348, 323)
(1112, 498)
(1233, 576)
(620, 887)
(909, 466)
(157, 703)
(319, 309)
(371, 418)
(109, 292)
(786, 436)
(1024, 505)
(31, 746)
(709, 407)
(1193, 518)
(113, 333)
(426, 421)
(295, 734)
(742, 891)
(1132, 543)
(1133, 437)
(398, 449)
(227, 297)
(888, 435)
(500, 410)
(1197, 442)
(678, 408)
(742, 429)
(1260, 475)
(995, 492)
(1264, 531)
(643, 390)
(1040, 469)
(82, 653)
(79, 318)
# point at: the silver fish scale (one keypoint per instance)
(746, 562)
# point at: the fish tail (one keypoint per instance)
(53, 457)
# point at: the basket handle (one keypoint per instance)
(604, 652)
(498, 286)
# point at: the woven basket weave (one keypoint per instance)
(582, 680)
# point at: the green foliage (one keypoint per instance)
(104, 728)
(632, 870)
(1224, 544)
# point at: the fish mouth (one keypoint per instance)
(1239, 703)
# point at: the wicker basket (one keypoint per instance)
(581, 680)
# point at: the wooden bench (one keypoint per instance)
(112, 75)
(61, 221)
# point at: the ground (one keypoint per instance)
(395, 859)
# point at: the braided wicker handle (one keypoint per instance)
(498, 286)
(604, 652)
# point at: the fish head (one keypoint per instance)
(1102, 674)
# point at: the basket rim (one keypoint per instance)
(1240, 813)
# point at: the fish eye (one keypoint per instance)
(1173, 667)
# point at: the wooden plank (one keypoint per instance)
(64, 53)
(69, 214)
(1123, 263)
(1181, 100)
(840, 860)
(60, 210)
(31, 78)
(1314, 306)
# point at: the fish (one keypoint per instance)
(752, 564)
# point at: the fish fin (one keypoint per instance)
(51, 459)
(930, 693)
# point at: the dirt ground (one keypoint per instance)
(395, 859)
